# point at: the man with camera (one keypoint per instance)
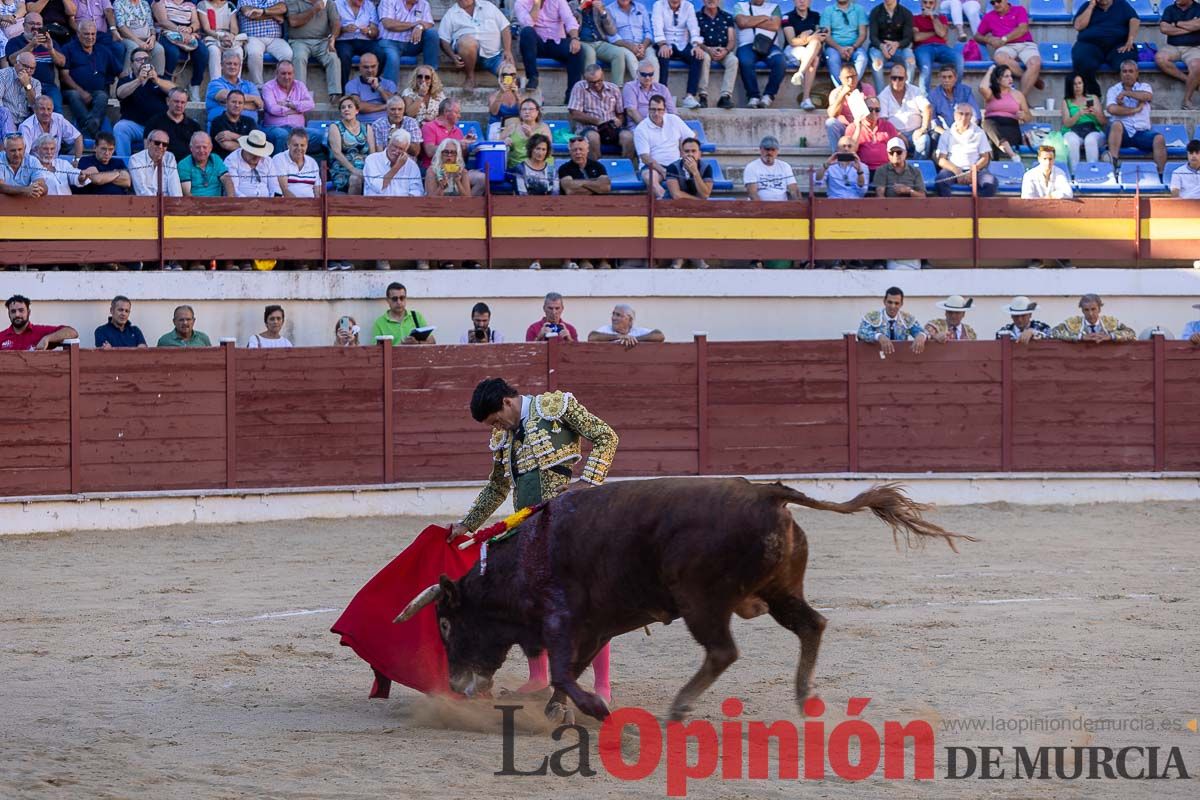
(552, 325)
(35, 40)
(481, 327)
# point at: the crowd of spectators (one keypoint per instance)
(886, 326)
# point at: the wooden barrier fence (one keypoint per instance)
(135, 420)
(1124, 230)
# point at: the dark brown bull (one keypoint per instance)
(605, 561)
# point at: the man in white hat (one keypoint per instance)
(1092, 326)
(250, 166)
(952, 328)
(1191, 331)
(1023, 328)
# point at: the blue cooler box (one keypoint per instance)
(491, 158)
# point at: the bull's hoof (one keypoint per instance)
(560, 713)
(594, 706)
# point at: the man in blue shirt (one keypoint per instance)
(119, 331)
(1191, 331)
(946, 96)
(1107, 29)
(90, 71)
(230, 78)
(103, 173)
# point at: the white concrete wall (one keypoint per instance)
(447, 501)
(728, 304)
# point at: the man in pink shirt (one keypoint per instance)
(549, 30)
(285, 102)
(871, 134)
(1005, 30)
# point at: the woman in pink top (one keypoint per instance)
(1004, 109)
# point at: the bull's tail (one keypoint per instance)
(889, 503)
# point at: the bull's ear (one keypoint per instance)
(449, 591)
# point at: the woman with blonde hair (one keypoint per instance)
(447, 175)
(424, 94)
(504, 103)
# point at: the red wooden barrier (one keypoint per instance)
(93, 420)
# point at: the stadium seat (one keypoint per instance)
(1056, 56)
(469, 126)
(983, 63)
(928, 171)
(556, 125)
(1142, 175)
(1026, 129)
(1048, 11)
(318, 132)
(698, 127)
(623, 176)
(720, 184)
(1176, 137)
(1145, 9)
(1169, 170)
(1095, 177)
(1009, 175)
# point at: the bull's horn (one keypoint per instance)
(426, 597)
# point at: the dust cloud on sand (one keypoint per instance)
(196, 662)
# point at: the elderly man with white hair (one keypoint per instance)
(392, 172)
(622, 330)
(962, 148)
(144, 166)
(58, 173)
(46, 121)
(250, 167)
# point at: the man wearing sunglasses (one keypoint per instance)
(35, 41)
(144, 168)
(636, 93)
(908, 109)
(18, 88)
(873, 136)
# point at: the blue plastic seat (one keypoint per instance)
(1048, 11)
(1028, 127)
(1176, 138)
(1009, 175)
(1142, 175)
(623, 176)
(1095, 177)
(556, 125)
(1056, 56)
(928, 171)
(984, 61)
(1145, 10)
(318, 132)
(720, 184)
(698, 127)
(1169, 170)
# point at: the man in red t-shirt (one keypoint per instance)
(872, 134)
(929, 43)
(24, 336)
(552, 324)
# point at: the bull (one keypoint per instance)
(597, 563)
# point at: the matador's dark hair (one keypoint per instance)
(489, 397)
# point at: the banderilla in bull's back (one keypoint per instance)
(597, 563)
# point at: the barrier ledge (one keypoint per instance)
(448, 500)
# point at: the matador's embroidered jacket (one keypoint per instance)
(534, 460)
(1072, 329)
(877, 324)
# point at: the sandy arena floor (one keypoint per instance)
(173, 663)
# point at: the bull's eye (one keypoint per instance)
(444, 624)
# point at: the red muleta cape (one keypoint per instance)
(410, 653)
